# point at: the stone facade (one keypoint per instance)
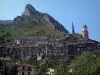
(25, 69)
(37, 48)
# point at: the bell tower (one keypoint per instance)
(85, 32)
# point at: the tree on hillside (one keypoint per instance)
(86, 64)
(61, 69)
(5, 37)
(43, 68)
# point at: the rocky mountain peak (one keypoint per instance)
(29, 10)
(37, 18)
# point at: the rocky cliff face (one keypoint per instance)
(29, 10)
(32, 16)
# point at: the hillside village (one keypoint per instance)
(35, 43)
(54, 48)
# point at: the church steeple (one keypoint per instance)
(73, 31)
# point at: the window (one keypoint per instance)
(22, 73)
(23, 67)
(82, 49)
(28, 73)
(78, 49)
(29, 68)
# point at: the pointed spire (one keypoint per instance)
(73, 31)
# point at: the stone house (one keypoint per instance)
(25, 69)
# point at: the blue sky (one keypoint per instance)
(65, 11)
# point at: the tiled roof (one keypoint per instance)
(27, 65)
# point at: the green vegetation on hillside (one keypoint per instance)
(43, 68)
(5, 37)
(25, 29)
(86, 64)
(61, 69)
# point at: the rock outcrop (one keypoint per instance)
(32, 16)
